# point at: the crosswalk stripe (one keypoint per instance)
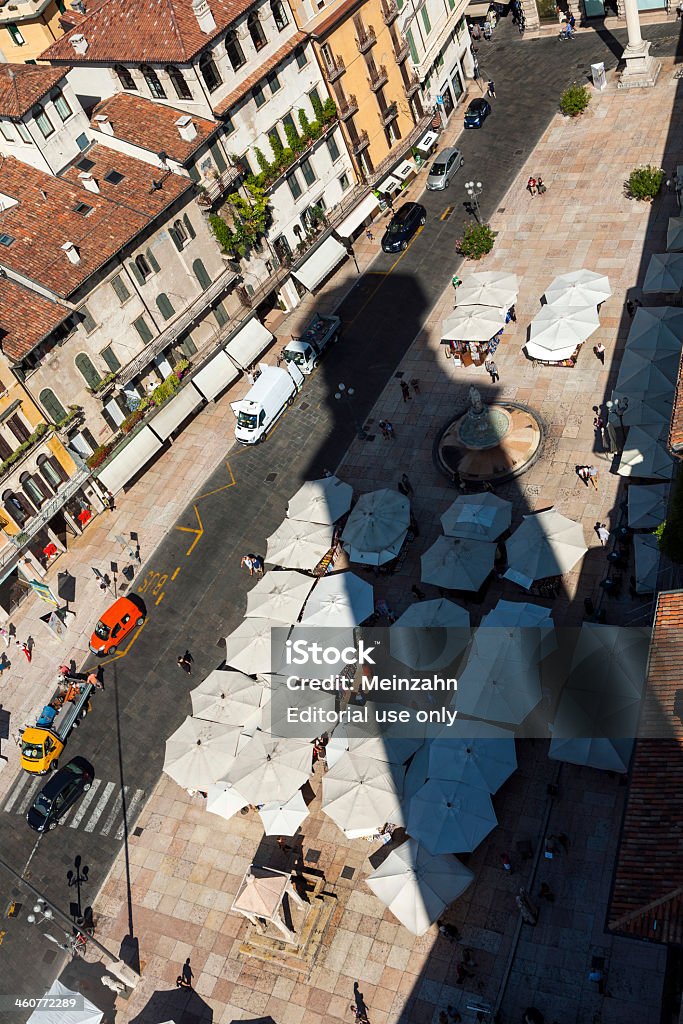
(84, 804)
(113, 814)
(32, 790)
(130, 812)
(24, 780)
(99, 809)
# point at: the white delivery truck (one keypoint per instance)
(265, 402)
(306, 350)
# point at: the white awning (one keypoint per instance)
(365, 208)
(404, 170)
(320, 263)
(427, 141)
(477, 10)
(390, 185)
(130, 460)
(248, 344)
(215, 376)
(174, 412)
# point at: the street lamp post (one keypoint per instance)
(617, 407)
(345, 392)
(41, 912)
(474, 190)
(74, 879)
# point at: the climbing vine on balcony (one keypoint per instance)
(244, 220)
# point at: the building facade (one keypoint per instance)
(439, 49)
(28, 26)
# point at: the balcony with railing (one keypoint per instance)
(378, 77)
(366, 39)
(41, 434)
(411, 86)
(334, 68)
(361, 142)
(215, 188)
(401, 50)
(348, 108)
(399, 150)
(388, 114)
(389, 11)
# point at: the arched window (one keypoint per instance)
(86, 369)
(257, 34)
(201, 274)
(280, 14)
(43, 121)
(182, 89)
(153, 83)
(165, 306)
(124, 76)
(33, 488)
(18, 506)
(209, 71)
(143, 266)
(52, 406)
(234, 50)
(48, 471)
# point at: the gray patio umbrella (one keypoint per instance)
(647, 505)
(478, 754)
(647, 556)
(501, 681)
(477, 517)
(664, 273)
(656, 332)
(321, 501)
(546, 544)
(429, 634)
(674, 234)
(450, 817)
(641, 373)
(377, 526)
(645, 454)
(457, 564)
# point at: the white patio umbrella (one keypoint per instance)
(298, 545)
(450, 817)
(417, 887)
(556, 332)
(224, 800)
(473, 323)
(457, 564)
(664, 273)
(321, 501)
(282, 708)
(283, 819)
(647, 505)
(645, 454)
(646, 552)
(478, 754)
(578, 288)
(429, 634)
(546, 544)
(270, 769)
(501, 681)
(56, 1009)
(378, 524)
(248, 648)
(477, 517)
(362, 794)
(199, 753)
(230, 698)
(342, 599)
(279, 595)
(490, 288)
(527, 616)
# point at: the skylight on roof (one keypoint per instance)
(6, 239)
(85, 165)
(113, 177)
(83, 209)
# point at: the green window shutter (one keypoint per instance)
(194, 174)
(111, 359)
(52, 406)
(187, 346)
(120, 289)
(425, 21)
(151, 259)
(165, 306)
(133, 267)
(188, 224)
(86, 369)
(413, 49)
(143, 330)
(218, 157)
(174, 238)
(221, 315)
(201, 274)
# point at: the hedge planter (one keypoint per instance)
(644, 183)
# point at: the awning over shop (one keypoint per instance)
(174, 412)
(320, 263)
(365, 208)
(248, 344)
(477, 10)
(215, 376)
(130, 460)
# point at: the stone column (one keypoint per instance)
(641, 69)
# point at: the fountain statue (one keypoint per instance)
(476, 405)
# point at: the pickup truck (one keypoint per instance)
(306, 350)
(42, 744)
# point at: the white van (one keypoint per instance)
(265, 402)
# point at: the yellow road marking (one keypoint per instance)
(231, 483)
(159, 599)
(190, 529)
(122, 654)
(384, 276)
(175, 574)
(446, 213)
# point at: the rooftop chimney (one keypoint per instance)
(72, 253)
(78, 6)
(186, 128)
(89, 182)
(79, 43)
(205, 18)
(103, 124)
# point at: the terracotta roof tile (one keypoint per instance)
(268, 65)
(22, 85)
(676, 427)
(327, 20)
(26, 318)
(44, 216)
(151, 126)
(647, 892)
(136, 31)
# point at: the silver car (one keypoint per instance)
(444, 167)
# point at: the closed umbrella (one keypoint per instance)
(417, 887)
(645, 454)
(478, 754)
(490, 288)
(647, 506)
(199, 753)
(477, 517)
(473, 323)
(283, 819)
(457, 564)
(224, 800)
(664, 273)
(362, 794)
(501, 681)
(378, 524)
(429, 634)
(556, 332)
(343, 599)
(674, 234)
(646, 552)
(279, 595)
(450, 817)
(546, 544)
(578, 288)
(270, 769)
(321, 501)
(248, 648)
(298, 545)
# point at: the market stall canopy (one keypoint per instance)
(477, 517)
(646, 551)
(283, 819)
(249, 343)
(450, 817)
(664, 273)
(320, 263)
(457, 564)
(291, 701)
(473, 323)
(279, 596)
(647, 505)
(321, 501)
(430, 634)
(478, 754)
(674, 234)
(644, 374)
(657, 332)
(490, 288)
(224, 800)
(417, 887)
(248, 648)
(363, 793)
(377, 527)
(501, 681)
(546, 544)
(360, 213)
(645, 454)
(644, 409)
(578, 288)
(555, 332)
(342, 599)
(199, 753)
(268, 769)
(56, 1010)
(298, 545)
(230, 698)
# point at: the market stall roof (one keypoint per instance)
(377, 526)
(555, 331)
(457, 564)
(320, 263)
(501, 681)
(473, 323)
(246, 346)
(298, 545)
(546, 544)
(342, 599)
(57, 1008)
(647, 505)
(645, 454)
(674, 234)
(321, 501)
(213, 378)
(578, 288)
(646, 550)
(449, 816)
(429, 634)
(477, 517)
(360, 213)
(489, 288)
(664, 273)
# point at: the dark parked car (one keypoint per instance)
(403, 226)
(59, 793)
(476, 113)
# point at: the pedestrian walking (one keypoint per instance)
(109, 500)
(546, 893)
(492, 370)
(185, 662)
(491, 89)
(418, 594)
(405, 390)
(389, 427)
(369, 235)
(630, 308)
(407, 484)
(383, 427)
(247, 562)
(448, 930)
(5, 663)
(415, 385)
(540, 187)
(602, 532)
(550, 848)
(461, 973)
(25, 649)
(571, 20)
(456, 281)
(513, 314)
(187, 973)
(258, 564)
(506, 863)
(531, 186)
(582, 473)
(593, 476)
(599, 351)
(6, 636)
(92, 680)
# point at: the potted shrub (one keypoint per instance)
(644, 182)
(476, 242)
(574, 100)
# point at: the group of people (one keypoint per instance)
(254, 563)
(535, 186)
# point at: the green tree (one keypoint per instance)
(574, 100)
(293, 139)
(316, 103)
(305, 126)
(249, 216)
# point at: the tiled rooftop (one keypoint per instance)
(151, 126)
(25, 318)
(676, 427)
(250, 81)
(22, 85)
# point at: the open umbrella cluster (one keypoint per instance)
(463, 558)
(482, 303)
(569, 316)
